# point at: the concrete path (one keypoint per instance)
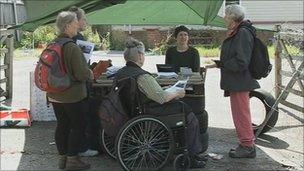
(280, 149)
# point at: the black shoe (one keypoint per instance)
(195, 163)
(243, 152)
(201, 157)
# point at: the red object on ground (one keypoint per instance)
(17, 118)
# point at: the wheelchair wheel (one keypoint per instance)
(181, 162)
(108, 144)
(144, 143)
(266, 101)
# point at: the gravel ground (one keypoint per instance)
(280, 149)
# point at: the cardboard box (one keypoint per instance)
(18, 118)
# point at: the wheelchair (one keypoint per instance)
(149, 142)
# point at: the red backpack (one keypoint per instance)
(50, 72)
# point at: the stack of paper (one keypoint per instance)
(167, 75)
(112, 70)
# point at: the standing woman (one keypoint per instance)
(236, 80)
(69, 104)
(183, 55)
(91, 142)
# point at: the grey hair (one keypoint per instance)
(133, 49)
(63, 19)
(235, 12)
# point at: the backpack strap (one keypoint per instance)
(251, 31)
(64, 40)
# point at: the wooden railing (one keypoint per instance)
(6, 63)
(292, 71)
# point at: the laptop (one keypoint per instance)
(165, 68)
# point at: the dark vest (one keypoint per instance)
(130, 95)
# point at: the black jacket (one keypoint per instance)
(235, 57)
(131, 97)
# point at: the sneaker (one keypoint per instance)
(243, 152)
(88, 153)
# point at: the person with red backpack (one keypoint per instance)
(69, 104)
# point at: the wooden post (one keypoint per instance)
(278, 62)
(8, 60)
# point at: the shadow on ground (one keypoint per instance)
(40, 152)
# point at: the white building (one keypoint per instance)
(266, 14)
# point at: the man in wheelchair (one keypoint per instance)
(150, 91)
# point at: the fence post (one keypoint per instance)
(278, 62)
(8, 60)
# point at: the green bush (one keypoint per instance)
(44, 34)
(92, 37)
(117, 40)
(26, 41)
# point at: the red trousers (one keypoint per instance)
(239, 102)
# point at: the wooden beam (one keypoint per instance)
(293, 106)
(277, 62)
(3, 80)
(293, 67)
(289, 74)
(2, 67)
(3, 50)
(8, 60)
(293, 91)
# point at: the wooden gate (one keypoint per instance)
(293, 71)
(289, 78)
(6, 63)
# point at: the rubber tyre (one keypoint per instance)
(203, 121)
(205, 141)
(108, 145)
(268, 100)
(181, 162)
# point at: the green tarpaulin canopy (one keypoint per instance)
(136, 12)
(160, 12)
(42, 12)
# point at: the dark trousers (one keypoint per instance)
(92, 139)
(193, 137)
(70, 127)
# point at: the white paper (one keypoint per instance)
(86, 47)
(167, 75)
(178, 86)
(181, 83)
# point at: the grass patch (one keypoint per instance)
(208, 52)
(215, 52)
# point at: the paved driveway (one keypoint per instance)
(32, 148)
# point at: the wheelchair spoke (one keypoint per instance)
(155, 158)
(132, 139)
(141, 129)
(159, 153)
(156, 135)
(133, 131)
(132, 158)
